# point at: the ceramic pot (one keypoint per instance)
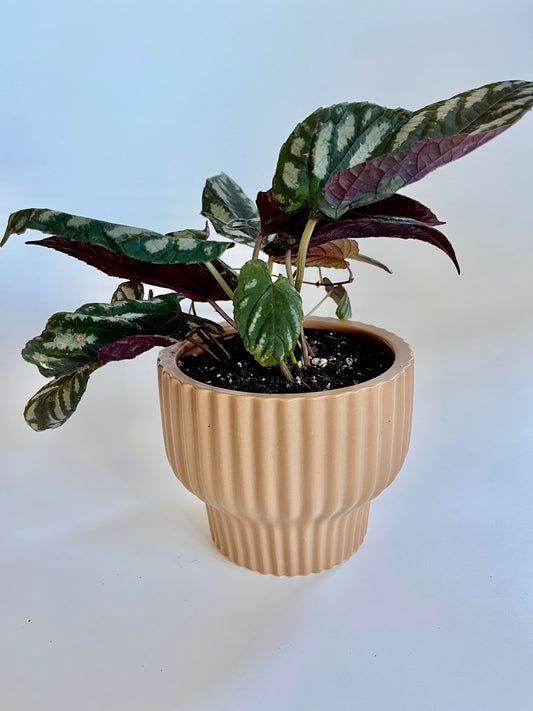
(288, 479)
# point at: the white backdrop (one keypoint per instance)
(112, 595)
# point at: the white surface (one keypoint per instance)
(112, 594)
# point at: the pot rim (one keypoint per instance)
(402, 352)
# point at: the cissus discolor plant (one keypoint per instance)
(336, 181)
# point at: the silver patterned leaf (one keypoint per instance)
(127, 291)
(56, 401)
(268, 314)
(316, 163)
(230, 210)
(71, 340)
(135, 242)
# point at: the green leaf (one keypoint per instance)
(268, 314)
(135, 242)
(71, 340)
(327, 141)
(128, 290)
(192, 234)
(340, 296)
(54, 403)
(331, 144)
(230, 210)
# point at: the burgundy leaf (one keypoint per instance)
(193, 280)
(360, 227)
(397, 206)
(273, 219)
(131, 346)
(382, 176)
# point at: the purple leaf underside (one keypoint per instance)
(367, 227)
(382, 176)
(358, 225)
(130, 347)
(193, 280)
(273, 220)
(398, 206)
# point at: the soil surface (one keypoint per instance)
(340, 360)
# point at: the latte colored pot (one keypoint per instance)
(288, 479)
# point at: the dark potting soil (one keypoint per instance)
(340, 360)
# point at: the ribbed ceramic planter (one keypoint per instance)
(288, 479)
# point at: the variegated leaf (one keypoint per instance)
(232, 213)
(128, 290)
(192, 234)
(54, 403)
(268, 314)
(192, 280)
(376, 179)
(73, 339)
(329, 140)
(141, 244)
(340, 296)
(336, 140)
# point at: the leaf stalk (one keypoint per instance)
(302, 251)
(219, 279)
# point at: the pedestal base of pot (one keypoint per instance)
(288, 549)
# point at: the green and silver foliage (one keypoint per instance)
(231, 212)
(268, 314)
(354, 154)
(178, 247)
(54, 403)
(335, 182)
(128, 290)
(73, 345)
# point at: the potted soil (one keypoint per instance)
(288, 444)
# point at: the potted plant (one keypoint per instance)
(285, 428)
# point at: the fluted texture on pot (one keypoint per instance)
(286, 479)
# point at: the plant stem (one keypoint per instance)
(288, 266)
(305, 348)
(295, 362)
(220, 280)
(317, 306)
(257, 245)
(224, 315)
(325, 283)
(302, 251)
(286, 372)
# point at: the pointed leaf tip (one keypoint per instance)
(138, 243)
(54, 403)
(230, 210)
(322, 151)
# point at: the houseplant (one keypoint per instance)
(336, 181)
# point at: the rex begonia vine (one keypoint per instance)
(336, 181)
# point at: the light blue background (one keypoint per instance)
(120, 110)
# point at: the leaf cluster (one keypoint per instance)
(336, 182)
